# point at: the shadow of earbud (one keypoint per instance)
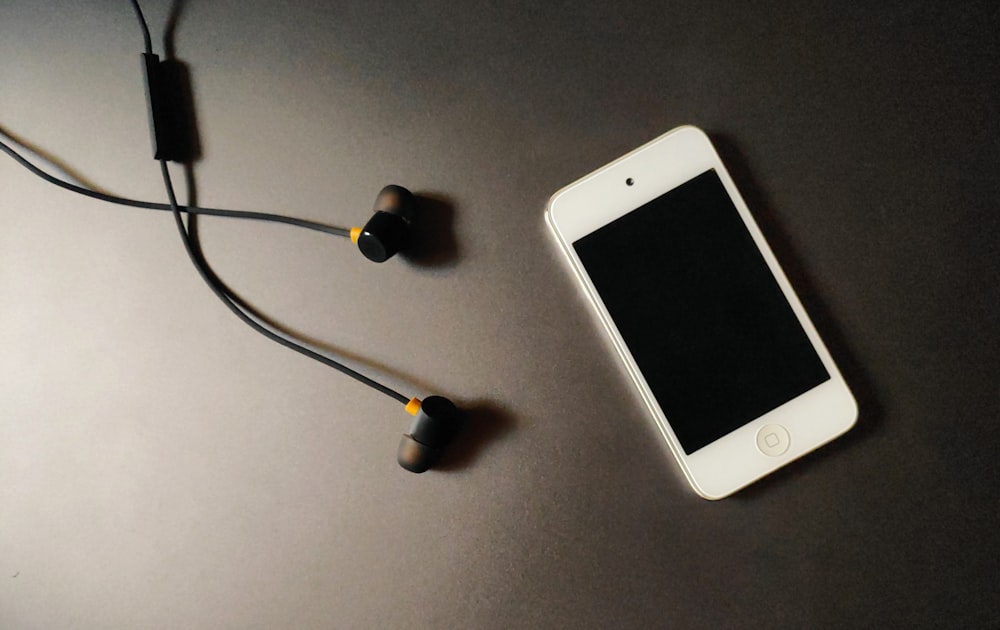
(484, 422)
(432, 237)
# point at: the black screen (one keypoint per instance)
(700, 311)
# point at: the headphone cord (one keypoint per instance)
(230, 299)
(243, 311)
(233, 302)
(146, 41)
(134, 203)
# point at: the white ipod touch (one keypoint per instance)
(705, 321)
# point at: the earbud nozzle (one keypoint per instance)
(414, 456)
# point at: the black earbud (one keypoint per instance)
(436, 424)
(388, 230)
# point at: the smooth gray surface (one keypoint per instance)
(161, 466)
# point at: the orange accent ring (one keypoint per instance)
(413, 406)
(355, 233)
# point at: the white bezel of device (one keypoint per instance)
(733, 461)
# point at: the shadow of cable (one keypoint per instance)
(858, 379)
(170, 31)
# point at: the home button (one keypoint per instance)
(773, 440)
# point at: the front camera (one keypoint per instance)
(629, 181)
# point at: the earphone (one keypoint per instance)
(387, 232)
(436, 424)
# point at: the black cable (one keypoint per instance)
(145, 27)
(230, 300)
(134, 203)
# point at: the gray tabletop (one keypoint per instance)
(161, 466)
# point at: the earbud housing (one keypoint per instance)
(387, 231)
(436, 424)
